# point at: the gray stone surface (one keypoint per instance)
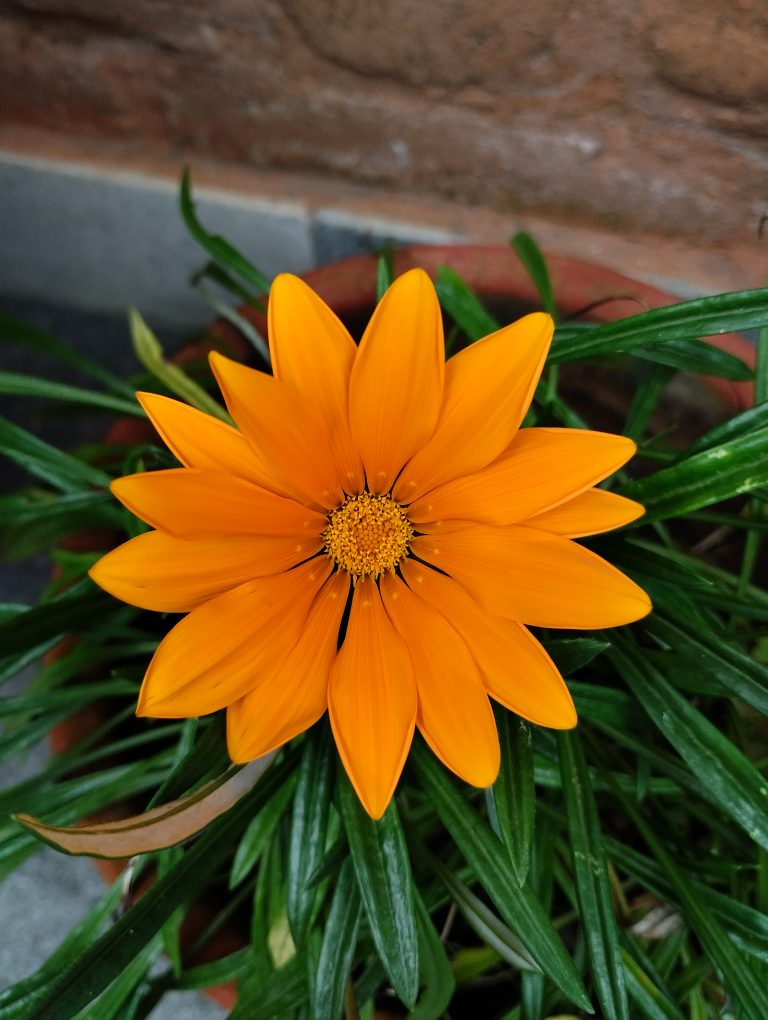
(79, 237)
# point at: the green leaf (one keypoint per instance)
(485, 923)
(204, 975)
(593, 890)
(21, 333)
(485, 854)
(436, 974)
(535, 265)
(150, 353)
(79, 983)
(17, 385)
(707, 316)
(112, 1004)
(275, 997)
(240, 322)
(711, 476)
(220, 250)
(385, 273)
(80, 606)
(44, 461)
(698, 358)
(650, 1001)
(727, 775)
(514, 794)
(747, 927)
(259, 833)
(709, 655)
(571, 654)
(740, 977)
(462, 305)
(309, 827)
(383, 871)
(745, 423)
(157, 828)
(334, 964)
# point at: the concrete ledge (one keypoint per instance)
(78, 232)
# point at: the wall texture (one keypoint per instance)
(629, 115)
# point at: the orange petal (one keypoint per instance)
(293, 694)
(453, 714)
(372, 700)
(206, 504)
(198, 440)
(515, 669)
(534, 577)
(283, 429)
(217, 654)
(172, 575)
(312, 351)
(540, 469)
(590, 513)
(488, 388)
(396, 386)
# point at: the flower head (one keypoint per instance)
(372, 538)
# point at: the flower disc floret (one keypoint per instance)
(367, 535)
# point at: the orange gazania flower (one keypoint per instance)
(381, 479)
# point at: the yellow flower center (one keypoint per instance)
(367, 535)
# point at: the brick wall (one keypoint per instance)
(631, 116)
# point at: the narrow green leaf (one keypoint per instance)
(707, 316)
(334, 965)
(220, 250)
(150, 353)
(216, 972)
(44, 461)
(259, 833)
(383, 871)
(571, 654)
(436, 975)
(728, 776)
(78, 984)
(592, 886)
(78, 607)
(113, 1003)
(17, 385)
(21, 333)
(243, 325)
(650, 1002)
(761, 366)
(750, 995)
(747, 927)
(309, 827)
(745, 423)
(277, 996)
(485, 923)
(698, 358)
(462, 305)
(708, 654)
(485, 854)
(206, 756)
(514, 794)
(652, 384)
(535, 265)
(385, 273)
(711, 476)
